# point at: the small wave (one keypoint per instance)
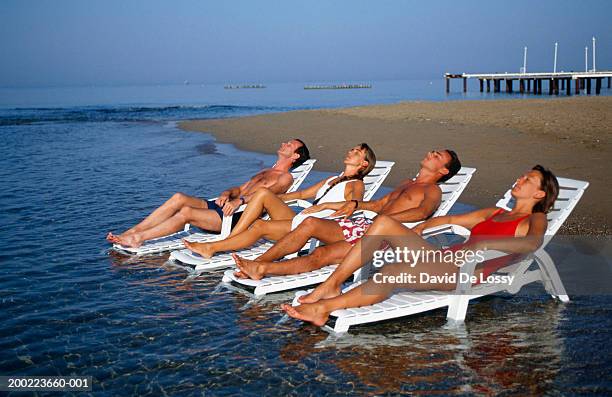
(23, 116)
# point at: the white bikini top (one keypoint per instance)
(335, 194)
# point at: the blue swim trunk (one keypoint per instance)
(219, 210)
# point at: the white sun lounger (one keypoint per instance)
(451, 190)
(174, 241)
(373, 181)
(409, 303)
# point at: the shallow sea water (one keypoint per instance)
(137, 326)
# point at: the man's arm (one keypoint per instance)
(431, 201)
(228, 195)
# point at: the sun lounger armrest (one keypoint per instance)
(446, 228)
(299, 203)
(226, 223)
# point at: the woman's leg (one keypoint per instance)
(373, 292)
(165, 211)
(272, 230)
(384, 228)
(263, 199)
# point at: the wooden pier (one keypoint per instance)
(532, 82)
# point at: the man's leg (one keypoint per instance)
(202, 218)
(272, 230)
(384, 228)
(326, 230)
(165, 211)
(322, 256)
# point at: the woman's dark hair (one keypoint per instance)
(453, 166)
(303, 152)
(550, 186)
(370, 157)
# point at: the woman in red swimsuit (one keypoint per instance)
(520, 231)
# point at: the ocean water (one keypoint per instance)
(74, 166)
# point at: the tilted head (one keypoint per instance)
(539, 185)
(363, 157)
(296, 150)
(444, 163)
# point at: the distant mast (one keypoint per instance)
(594, 68)
(586, 59)
(525, 60)
(555, 63)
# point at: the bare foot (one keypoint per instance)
(239, 274)
(200, 248)
(322, 291)
(252, 269)
(313, 313)
(111, 238)
(132, 240)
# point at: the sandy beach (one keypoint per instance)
(501, 138)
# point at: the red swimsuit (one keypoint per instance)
(492, 230)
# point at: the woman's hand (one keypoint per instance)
(346, 209)
(317, 208)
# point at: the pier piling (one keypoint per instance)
(481, 84)
(588, 86)
(540, 86)
(464, 84)
(528, 85)
(609, 78)
(550, 86)
(598, 86)
(522, 86)
(568, 86)
(489, 85)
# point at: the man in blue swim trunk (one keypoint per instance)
(181, 209)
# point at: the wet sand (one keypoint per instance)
(501, 138)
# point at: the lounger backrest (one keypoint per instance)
(570, 192)
(300, 173)
(452, 189)
(375, 178)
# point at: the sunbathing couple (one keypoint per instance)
(181, 209)
(519, 231)
(263, 193)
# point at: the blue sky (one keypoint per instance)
(49, 43)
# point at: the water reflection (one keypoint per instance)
(520, 351)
